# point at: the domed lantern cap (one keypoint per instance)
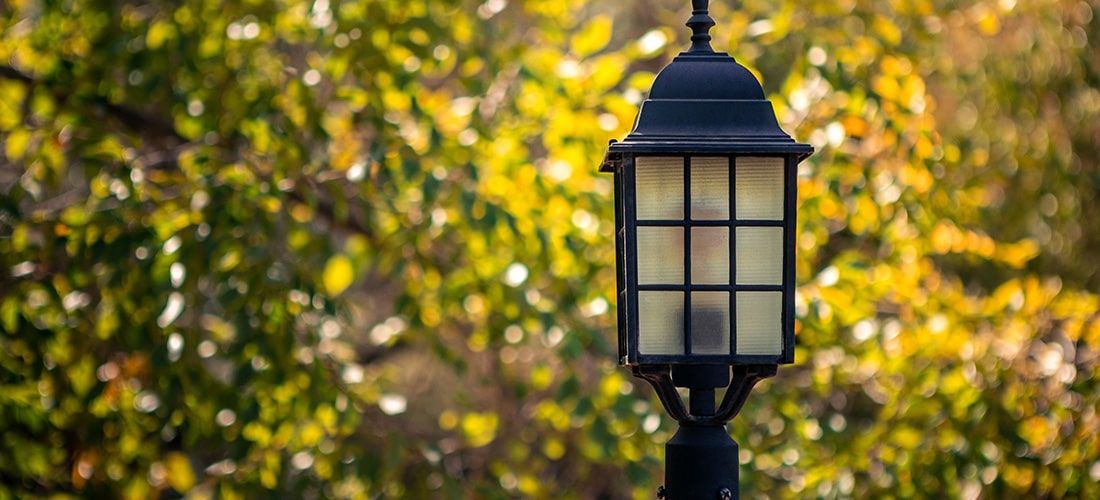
(704, 101)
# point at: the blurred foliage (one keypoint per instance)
(360, 249)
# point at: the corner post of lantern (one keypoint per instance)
(705, 205)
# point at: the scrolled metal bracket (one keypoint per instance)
(660, 377)
(741, 384)
(744, 377)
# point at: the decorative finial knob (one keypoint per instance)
(700, 24)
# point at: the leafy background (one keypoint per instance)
(256, 248)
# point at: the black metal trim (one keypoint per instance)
(758, 223)
(700, 287)
(716, 148)
(758, 288)
(710, 358)
(709, 223)
(631, 328)
(790, 199)
(620, 268)
(731, 161)
(612, 161)
(725, 153)
(630, 211)
(687, 254)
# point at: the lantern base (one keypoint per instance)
(701, 462)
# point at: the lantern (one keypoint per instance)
(705, 205)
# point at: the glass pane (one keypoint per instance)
(661, 322)
(659, 187)
(660, 255)
(710, 255)
(759, 256)
(759, 323)
(710, 188)
(710, 322)
(759, 188)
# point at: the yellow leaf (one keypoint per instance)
(989, 24)
(553, 448)
(229, 260)
(887, 30)
(310, 434)
(15, 146)
(1038, 432)
(448, 420)
(611, 384)
(541, 377)
(855, 125)
(907, 437)
(326, 416)
(180, 474)
(11, 97)
(593, 37)
(1018, 254)
(257, 433)
(338, 274)
(529, 485)
(160, 32)
(480, 428)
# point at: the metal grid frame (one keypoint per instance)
(628, 288)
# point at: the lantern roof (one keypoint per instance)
(705, 101)
(714, 75)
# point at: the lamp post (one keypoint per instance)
(704, 223)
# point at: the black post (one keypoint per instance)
(701, 458)
(701, 464)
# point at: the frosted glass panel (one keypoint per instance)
(659, 187)
(660, 255)
(759, 256)
(710, 323)
(710, 188)
(661, 322)
(759, 188)
(710, 255)
(759, 322)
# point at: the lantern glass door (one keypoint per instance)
(710, 240)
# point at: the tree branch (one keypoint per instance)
(162, 130)
(132, 119)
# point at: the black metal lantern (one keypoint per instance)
(705, 228)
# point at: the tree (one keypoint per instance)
(351, 249)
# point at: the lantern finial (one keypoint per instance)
(700, 24)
